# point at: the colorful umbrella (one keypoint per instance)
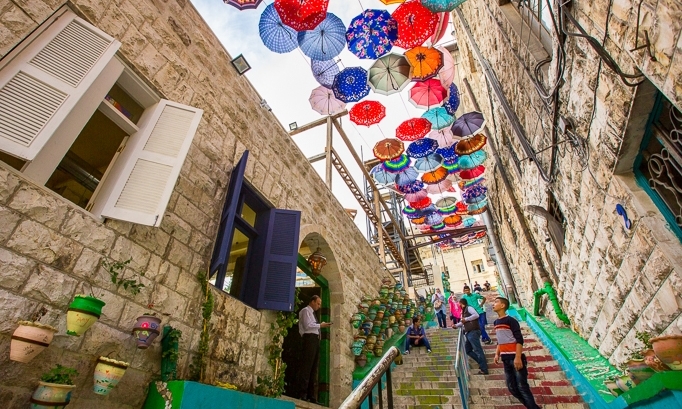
(388, 149)
(447, 73)
(411, 212)
(367, 113)
(421, 204)
(421, 148)
(451, 166)
(381, 176)
(440, 187)
(468, 221)
(413, 129)
(443, 136)
(425, 62)
(465, 184)
(325, 41)
(419, 220)
(436, 176)
(448, 153)
(324, 71)
(389, 74)
(474, 209)
(371, 34)
(439, 118)
(428, 94)
(447, 210)
(428, 163)
(276, 36)
(350, 85)
(452, 102)
(473, 160)
(413, 197)
(472, 173)
(322, 100)
(441, 27)
(243, 4)
(398, 164)
(434, 219)
(406, 177)
(441, 6)
(475, 192)
(452, 220)
(416, 24)
(413, 187)
(471, 145)
(302, 15)
(446, 203)
(468, 124)
(462, 211)
(388, 2)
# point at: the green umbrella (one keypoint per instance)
(389, 74)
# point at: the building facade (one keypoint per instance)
(582, 104)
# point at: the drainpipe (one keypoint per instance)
(507, 280)
(549, 290)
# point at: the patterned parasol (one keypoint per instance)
(442, 6)
(413, 129)
(243, 4)
(322, 100)
(406, 177)
(371, 34)
(413, 187)
(419, 220)
(427, 94)
(436, 176)
(446, 203)
(416, 24)
(389, 74)
(473, 160)
(471, 145)
(381, 176)
(367, 113)
(451, 166)
(276, 36)
(350, 85)
(443, 136)
(413, 197)
(421, 148)
(441, 28)
(428, 163)
(439, 118)
(302, 15)
(324, 71)
(434, 219)
(389, 2)
(387, 149)
(465, 184)
(451, 104)
(468, 124)
(447, 73)
(398, 164)
(448, 153)
(425, 62)
(325, 41)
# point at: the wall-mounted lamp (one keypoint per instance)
(239, 63)
(293, 126)
(317, 261)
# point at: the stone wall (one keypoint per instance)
(51, 250)
(611, 281)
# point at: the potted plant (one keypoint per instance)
(108, 372)
(637, 369)
(30, 338)
(146, 329)
(83, 312)
(669, 350)
(54, 388)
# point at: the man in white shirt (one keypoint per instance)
(310, 332)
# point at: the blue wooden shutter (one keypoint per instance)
(278, 276)
(221, 251)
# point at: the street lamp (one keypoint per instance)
(317, 261)
(239, 63)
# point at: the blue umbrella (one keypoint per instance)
(438, 117)
(324, 71)
(409, 175)
(468, 221)
(451, 166)
(421, 148)
(428, 163)
(350, 85)
(325, 41)
(433, 219)
(396, 165)
(448, 153)
(471, 161)
(380, 175)
(451, 104)
(441, 6)
(371, 34)
(413, 187)
(276, 36)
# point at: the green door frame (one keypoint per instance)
(323, 377)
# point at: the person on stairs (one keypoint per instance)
(477, 301)
(438, 301)
(510, 351)
(416, 336)
(455, 310)
(472, 332)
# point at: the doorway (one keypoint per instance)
(293, 342)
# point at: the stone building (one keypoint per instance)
(582, 104)
(71, 195)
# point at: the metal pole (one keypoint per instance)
(381, 395)
(328, 151)
(380, 234)
(358, 395)
(389, 388)
(507, 279)
(465, 266)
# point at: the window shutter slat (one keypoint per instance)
(142, 180)
(43, 83)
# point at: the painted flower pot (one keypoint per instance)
(613, 387)
(369, 347)
(376, 329)
(146, 330)
(83, 312)
(391, 319)
(51, 396)
(108, 372)
(669, 350)
(380, 315)
(378, 351)
(624, 383)
(358, 316)
(371, 339)
(654, 363)
(367, 327)
(372, 315)
(401, 328)
(29, 339)
(639, 371)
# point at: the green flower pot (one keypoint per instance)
(83, 312)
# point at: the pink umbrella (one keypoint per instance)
(441, 27)
(444, 137)
(440, 187)
(446, 74)
(415, 197)
(322, 100)
(427, 94)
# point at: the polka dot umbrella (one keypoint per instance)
(434, 219)
(367, 113)
(350, 85)
(371, 34)
(416, 24)
(413, 129)
(448, 153)
(441, 28)
(421, 148)
(324, 71)
(413, 187)
(451, 103)
(302, 15)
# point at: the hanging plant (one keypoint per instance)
(83, 312)
(108, 372)
(30, 338)
(146, 329)
(198, 366)
(169, 353)
(115, 268)
(54, 389)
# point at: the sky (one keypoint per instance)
(285, 81)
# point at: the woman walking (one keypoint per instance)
(455, 310)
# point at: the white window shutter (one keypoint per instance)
(143, 177)
(43, 82)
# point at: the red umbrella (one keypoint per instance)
(421, 204)
(302, 15)
(428, 94)
(367, 113)
(413, 129)
(472, 173)
(416, 24)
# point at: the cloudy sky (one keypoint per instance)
(285, 82)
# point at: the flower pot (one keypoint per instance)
(380, 314)
(371, 339)
(107, 374)
(146, 330)
(624, 383)
(361, 360)
(51, 396)
(613, 387)
(29, 339)
(669, 350)
(639, 371)
(401, 328)
(378, 351)
(83, 312)
(654, 363)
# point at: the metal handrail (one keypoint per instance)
(355, 399)
(462, 370)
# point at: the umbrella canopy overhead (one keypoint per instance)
(434, 219)
(413, 187)
(324, 71)
(439, 118)
(414, 197)
(443, 136)
(381, 176)
(447, 73)
(416, 24)
(425, 62)
(472, 173)
(473, 160)
(413, 129)
(441, 28)
(421, 148)
(322, 100)
(471, 145)
(302, 15)
(427, 94)
(389, 2)
(442, 6)
(439, 188)
(389, 74)
(428, 163)
(398, 164)
(243, 4)
(371, 34)
(367, 113)
(445, 204)
(406, 177)
(448, 153)
(452, 220)
(350, 85)
(388, 149)
(325, 41)
(451, 103)
(451, 166)
(468, 124)
(436, 176)
(274, 34)
(421, 204)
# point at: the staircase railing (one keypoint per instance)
(462, 370)
(364, 390)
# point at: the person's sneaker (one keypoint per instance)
(428, 351)
(407, 352)
(488, 342)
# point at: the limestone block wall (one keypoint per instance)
(611, 281)
(51, 250)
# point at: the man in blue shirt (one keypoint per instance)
(416, 336)
(477, 301)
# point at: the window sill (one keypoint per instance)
(531, 41)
